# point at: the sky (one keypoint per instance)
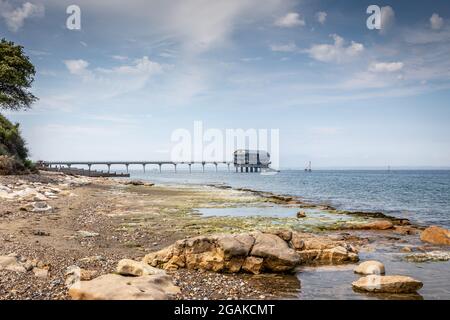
(341, 94)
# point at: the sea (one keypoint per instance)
(422, 196)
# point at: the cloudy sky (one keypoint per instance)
(342, 95)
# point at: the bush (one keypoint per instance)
(13, 150)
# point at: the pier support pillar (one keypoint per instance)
(69, 165)
(190, 169)
(143, 166)
(175, 167)
(89, 166)
(216, 166)
(160, 165)
(203, 167)
(237, 169)
(246, 169)
(127, 165)
(228, 167)
(242, 169)
(109, 167)
(251, 169)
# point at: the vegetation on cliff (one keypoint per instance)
(16, 77)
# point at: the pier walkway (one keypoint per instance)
(127, 164)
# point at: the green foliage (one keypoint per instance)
(16, 77)
(11, 143)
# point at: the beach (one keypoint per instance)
(93, 223)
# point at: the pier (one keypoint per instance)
(60, 165)
(244, 161)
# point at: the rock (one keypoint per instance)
(40, 273)
(135, 183)
(376, 225)
(297, 242)
(301, 214)
(92, 259)
(387, 284)
(253, 265)
(128, 267)
(41, 233)
(337, 255)
(429, 256)
(28, 265)
(86, 234)
(370, 267)
(436, 235)
(254, 252)
(404, 230)
(406, 249)
(74, 274)
(40, 206)
(117, 287)
(235, 245)
(11, 263)
(284, 234)
(278, 257)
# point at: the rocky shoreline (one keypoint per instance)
(57, 229)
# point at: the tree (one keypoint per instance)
(16, 77)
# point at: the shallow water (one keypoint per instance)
(335, 282)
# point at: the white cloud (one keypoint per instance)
(292, 19)
(119, 57)
(288, 47)
(387, 18)
(15, 17)
(436, 22)
(385, 66)
(143, 66)
(109, 82)
(336, 52)
(321, 17)
(77, 67)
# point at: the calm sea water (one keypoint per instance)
(421, 196)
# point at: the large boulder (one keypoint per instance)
(370, 267)
(224, 253)
(387, 284)
(255, 252)
(436, 235)
(277, 255)
(117, 287)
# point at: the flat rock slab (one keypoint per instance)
(387, 284)
(117, 287)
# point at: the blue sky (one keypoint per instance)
(342, 95)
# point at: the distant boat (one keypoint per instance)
(308, 168)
